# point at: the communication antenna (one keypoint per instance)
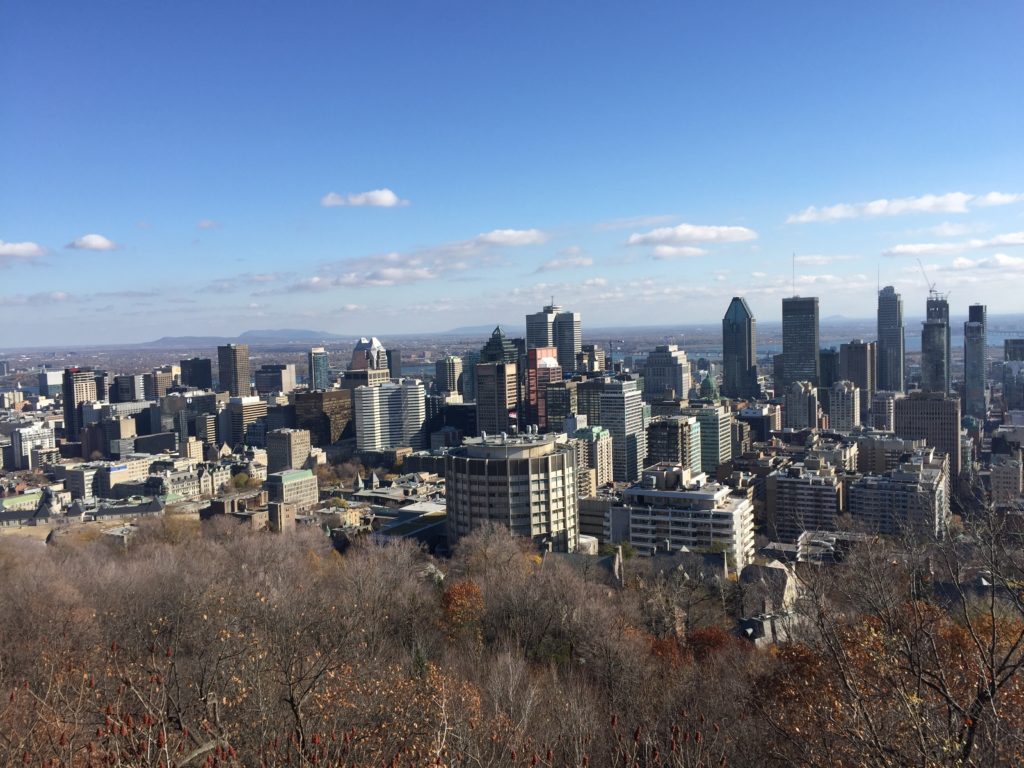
(794, 273)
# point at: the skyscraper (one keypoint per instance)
(496, 397)
(448, 374)
(390, 416)
(935, 418)
(975, 362)
(319, 369)
(857, 364)
(79, 387)
(197, 372)
(568, 332)
(275, 377)
(935, 345)
(800, 340)
(542, 369)
(499, 349)
(233, 369)
(554, 327)
(891, 344)
(667, 369)
(484, 479)
(739, 350)
(369, 354)
(622, 414)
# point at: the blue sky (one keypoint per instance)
(206, 168)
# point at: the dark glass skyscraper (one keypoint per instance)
(891, 341)
(739, 350)
(197, 372)
(233, 367)
(319, 369)
(935, 345)
(975, 362)
(800, 340)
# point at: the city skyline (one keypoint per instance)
(227, 189)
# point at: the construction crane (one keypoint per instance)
(929, 283)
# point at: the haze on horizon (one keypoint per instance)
(203, 169)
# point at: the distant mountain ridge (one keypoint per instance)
(262, 336)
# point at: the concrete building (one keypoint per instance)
(594, 459)
(800, 340)
(391, 416)
(857, 361)
(448, 374)
(801, 498)
(802, 409)
(675, 440)
(910, 500)
(561, 402)
(79, 386)
(275, 377)
(287, 449)
(591, 359)
(976, 362)
(497, 389)
(526, 483)
(715, 434)
(1007, 478)
(672, 509)
(622, 414)
(935, 418)
(880, 452)
(542, 370)
(243, 411)
(739, 351)
(666, 374)
(296, 487)
(28, 441)
(128, 388)
(883, 410)
(844, 406)
(318, 369)
(233, 369)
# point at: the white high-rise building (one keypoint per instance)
(843, 406)
(390, 416)
(526, 483)
(24, 440)
(554, 327)
(622, 414)
(802, 407)
(672, 508)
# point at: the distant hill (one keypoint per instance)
(265, 336)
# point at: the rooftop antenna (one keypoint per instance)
(794, 273)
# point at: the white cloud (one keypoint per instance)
(376, 198)
(351, 308)
(11, 253)
(997, 198)
(949, 229)
(1000, 261)
(818, 260)
(510, 237)
(92, 243)
(207, 224)
(669, 252)
(683, 234)
(572, 259)
(931, 249)
(951, 202)
(633, 222)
